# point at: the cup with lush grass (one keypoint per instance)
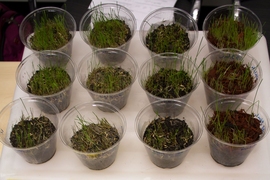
(105, 79)
(232, 26)
(48, 28)
(108, 25)
(47, 74)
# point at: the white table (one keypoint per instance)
(132, 161)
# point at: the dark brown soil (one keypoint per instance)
(31, 131)
(226, 125)
(95, 137)
(108, 79)
(168, 134)
(168, 38)
(229, 77)
(169, 83)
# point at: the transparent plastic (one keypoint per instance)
(229, 55)
(29, 106)
(166, 16)
(241, 14)
(108, 10)
(102, 58)
(172, 61)
(90, 111)
(229, 154)
(27, 27)
(168, 159)
(34, 62)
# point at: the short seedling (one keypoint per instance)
(50, 34)
(31, 131)
(93, 137)
(108, 79)
(235, 126)
(229, 77)
(176, 79)
(168, 134)
(168, 38)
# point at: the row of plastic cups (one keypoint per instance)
(108, 10)
(166, 16)
(100, 58)
(119, 58)
(69, 124)
(44, 58)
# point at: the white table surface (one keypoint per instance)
(132, 161)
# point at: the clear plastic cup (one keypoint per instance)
(32, 63)
(167, 16)
(240, 13)
(12, 113)
(27, 27)
(109, 11)
(90, 111)
(102, 58)
(229, 154)
(168, 159)
(229, 55)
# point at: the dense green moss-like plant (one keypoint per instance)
(48, 80)
(50, 34)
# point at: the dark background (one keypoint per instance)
(78, 7)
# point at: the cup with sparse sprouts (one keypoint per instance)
(94, 135)
(229, 72)
(234, 127)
